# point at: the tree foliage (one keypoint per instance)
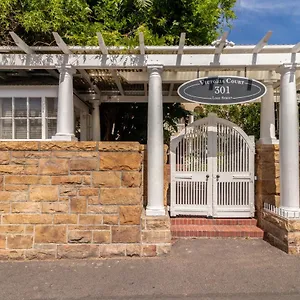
(246, 116)
(120, 22)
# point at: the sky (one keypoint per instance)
(256, 17)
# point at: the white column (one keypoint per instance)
(267, 116)
(155, 144)
(65, 109)
(96, 121)
(83, 126)
(289, 140)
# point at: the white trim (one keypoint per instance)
(28, 91)
(262, 61)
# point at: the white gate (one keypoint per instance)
(212, 170)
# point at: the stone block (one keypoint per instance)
(2, 241)
(88, 191)
(89, 227)
(25, 161)
(29, 229)
(107, 179)
(131, 179)
(268, 171)
(73, 154)
(90, 219)
(12, 169)
(19, 241)
(71, 179)
(65, 219)
(101, 237)
(92, 201)
(4, 158)
(68, 190)
(126, 234)
(77, 251)
(70, 146)
(84, 164)
(111, 219)
(43, 193)
(112, 250)
(11, 229)
(268, 187)
(40, 254)
(27, 219)
(51, 208)
(294, 238)
(31, 170)
(15, 188)
(120, 196)
(87, 179)
(119, 146)
(130, 215)
(157, 223)
(4, 208)
(78, 205)
(148, 250)
(156, 236)
(11, 254)
(13, 196)
(79, 237)
(133, 250)
(19, 146)
(50, 234)
(120, 161)
(107, 209)
(293, 225)
(26, 207)
(53, 166)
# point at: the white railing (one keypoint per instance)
(287, 214)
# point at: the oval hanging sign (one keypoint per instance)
(222, 90)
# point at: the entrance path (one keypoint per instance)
(197, 269)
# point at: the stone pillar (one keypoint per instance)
(83, 126)
(155, 144)
(96, 121)
(267, 116)
(65, 109)
(289, 140)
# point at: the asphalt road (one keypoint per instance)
(196, 269)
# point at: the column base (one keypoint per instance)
(156, 211)
(64, 138)
(268, 141)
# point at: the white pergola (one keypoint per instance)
(152, 74)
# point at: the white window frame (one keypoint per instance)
(42, 92)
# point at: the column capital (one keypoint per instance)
(269, 82)
(96, 103)
(285, 68)
(67, 69)
(155, 68)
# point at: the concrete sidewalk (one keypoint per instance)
(196, 269)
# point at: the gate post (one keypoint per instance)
(155, 144)
(289, 140)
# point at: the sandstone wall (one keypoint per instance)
(267, 172)
(72, 200)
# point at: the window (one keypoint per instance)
(28, 117)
